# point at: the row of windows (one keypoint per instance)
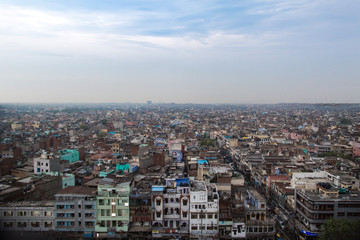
(203, 216)
(112, 223)
(26, 224)
(204, 227)
(73, 207)
(107, 212)
(26, 213)
(184, 202)
(108, 202)
(71, 215)
(72, 224)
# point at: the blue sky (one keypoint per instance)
(260, 51)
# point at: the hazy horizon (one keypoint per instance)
(203, 52)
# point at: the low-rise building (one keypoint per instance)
(27, 216)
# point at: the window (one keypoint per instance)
(215, 216)
(209, 216)
(8, 224)
(35, 224)
(35, 213)
(21, 213)
(101, 202)
(202, 216)
(184, 214)
(8, 213)
(21, 224)
(194, 227)
(193, 216)
(47, 224)
(79, 214)
(158, 214)
(166, 200)
(48, 213)
(158, 202)
(185, 202)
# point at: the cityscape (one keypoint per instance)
(179, 119)
(178, 171)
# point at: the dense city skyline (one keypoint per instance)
(265, 51)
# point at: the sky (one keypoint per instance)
(243, 51)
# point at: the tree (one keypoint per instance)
(207, 142)
(335, 229)
(345, 121)
(84, 127)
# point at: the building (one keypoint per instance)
(70, 155)
(141, 209)
(204, 209)
(257, 224)
(314, 207)
(75, 209)
(46, 163)
(171, 208)
(112, 204)
(27, 216)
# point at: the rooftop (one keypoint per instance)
(77, 190)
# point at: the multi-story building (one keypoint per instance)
(204, 209)
(171, 208)
(140, 209)
(75, 209)
(257, 224)
(70, 155)
(46, 163)
(27, 216)
(314, 207)
(112, 203)
(115, 148)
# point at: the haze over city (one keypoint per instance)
(264, 51)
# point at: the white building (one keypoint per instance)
(46, 163)
(204, 209)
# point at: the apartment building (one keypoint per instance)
(171, 208)
(314, 207)
(204, 209)
(27, 216)
(112, 204)
(75, 209)
(257, 223)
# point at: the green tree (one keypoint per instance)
(207, 142)
(335, 229)
(345, 121)
(84, 127)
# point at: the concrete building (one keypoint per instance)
(112, 204)
(46, 163)
(204, 209)
(75, 209)
(171, 208)
(27, 216)
(314, 207)
(70, 155)
(257, 224)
